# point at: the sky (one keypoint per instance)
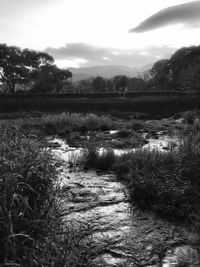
(81, 33)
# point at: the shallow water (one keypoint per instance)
(102, 202)
(163, 144)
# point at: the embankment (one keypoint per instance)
(152, 105)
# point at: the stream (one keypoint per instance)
(133, 237)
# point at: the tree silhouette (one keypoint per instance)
(17, 66)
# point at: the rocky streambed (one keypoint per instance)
(132, 237)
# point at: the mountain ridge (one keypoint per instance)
(106, 71)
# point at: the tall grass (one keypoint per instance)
(165, 183)
(96, 159)
(65, 123)
(33, 227)
(27, 175)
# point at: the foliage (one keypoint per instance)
(22, 66)
(180, 72)
(17, 65)
(99, 84)
(49, 78)
(185, 68)
(119, 83)
(161, 76)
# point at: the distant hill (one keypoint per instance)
(106, 71)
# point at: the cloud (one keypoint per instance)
(187, 14)
(81, 50)
(89, 55)
(13, 8)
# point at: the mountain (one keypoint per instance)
(106, 71)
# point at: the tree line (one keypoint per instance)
(179, 73)
(36, 72)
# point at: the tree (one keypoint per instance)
(136, 84)
(17, 65)
(49, 78)
(99, 84)
(120, 82)
(185, 64)
(161, 74)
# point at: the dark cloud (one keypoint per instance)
(188, 14)
(107, 56)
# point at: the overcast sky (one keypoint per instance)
(101, 32)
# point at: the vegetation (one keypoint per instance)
(50, 78)
(32, 232)
(65, 123)
(27, 206)
(180, 72)
(31, 227)
(23, 67)
(35, 72)
(93, 159)
(165, 183)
